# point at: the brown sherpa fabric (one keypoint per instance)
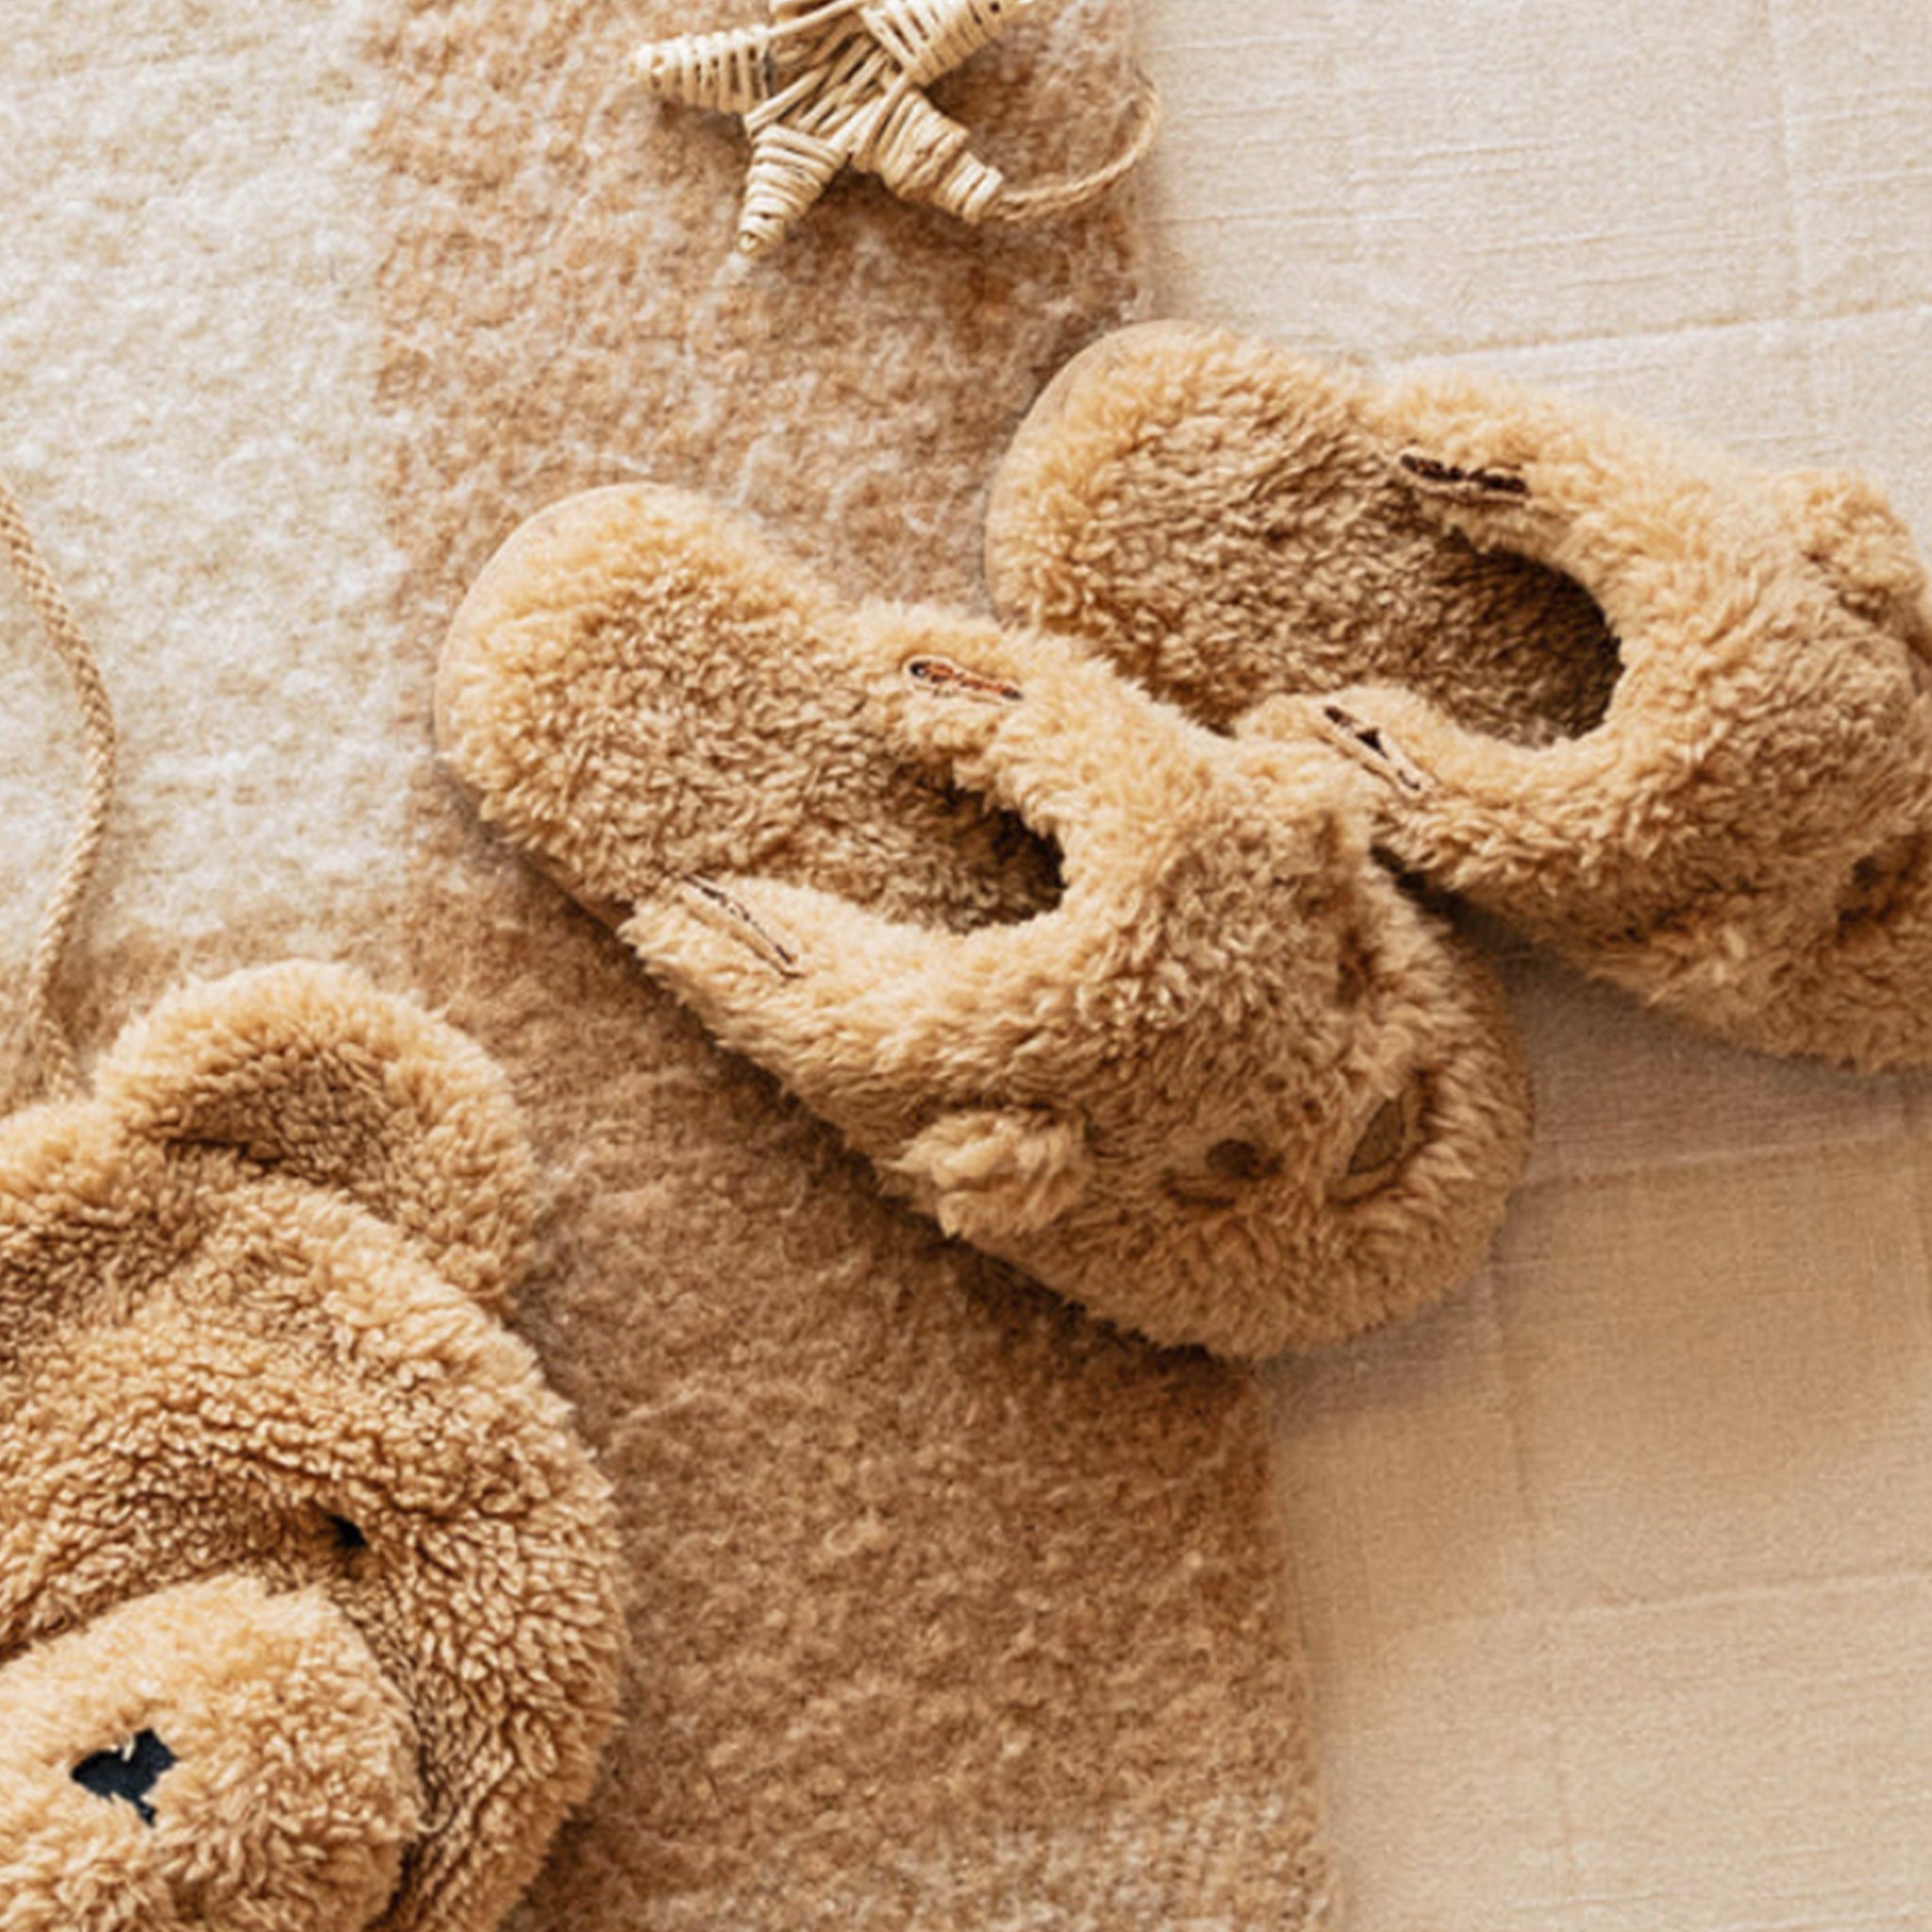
(1662, 711)
(1229, 1088)
(308, 1614)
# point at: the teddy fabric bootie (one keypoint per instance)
(308, 1610)
(1662, 711)
(1118, 1000)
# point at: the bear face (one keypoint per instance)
(251, 1380)
(251, 1766)
(1125, 1002)
(1233, 1090)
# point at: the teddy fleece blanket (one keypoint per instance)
(948, 1607)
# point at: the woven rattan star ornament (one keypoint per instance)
(828, 84)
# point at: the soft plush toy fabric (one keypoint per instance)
(1113, 997)
(307, 1611)
(1663, 711)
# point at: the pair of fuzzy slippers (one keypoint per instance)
(1096, 928)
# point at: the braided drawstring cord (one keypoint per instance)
(46, 1038)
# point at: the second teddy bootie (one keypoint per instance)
(1664, 712)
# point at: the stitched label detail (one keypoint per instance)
(1452, 479)
(731, 914)
(947, 679)
(1374, 748)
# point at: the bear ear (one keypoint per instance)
(996, 1173)
(308, 1069)
(1850, 533)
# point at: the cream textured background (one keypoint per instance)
(187, 341)
(1616, 1574)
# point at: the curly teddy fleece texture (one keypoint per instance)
(1118, 1000)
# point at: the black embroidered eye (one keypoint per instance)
(348, 1536)
(129, 1774)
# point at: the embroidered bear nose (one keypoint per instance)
(1226, 1171)
(128, 1773)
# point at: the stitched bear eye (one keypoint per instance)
(128, 1773)
(348, 1536)
(1389, 1135)
(1878, 880)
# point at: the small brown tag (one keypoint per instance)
(947, 679)
(1450, 480)
(1374, 748)
(1389, 1135)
